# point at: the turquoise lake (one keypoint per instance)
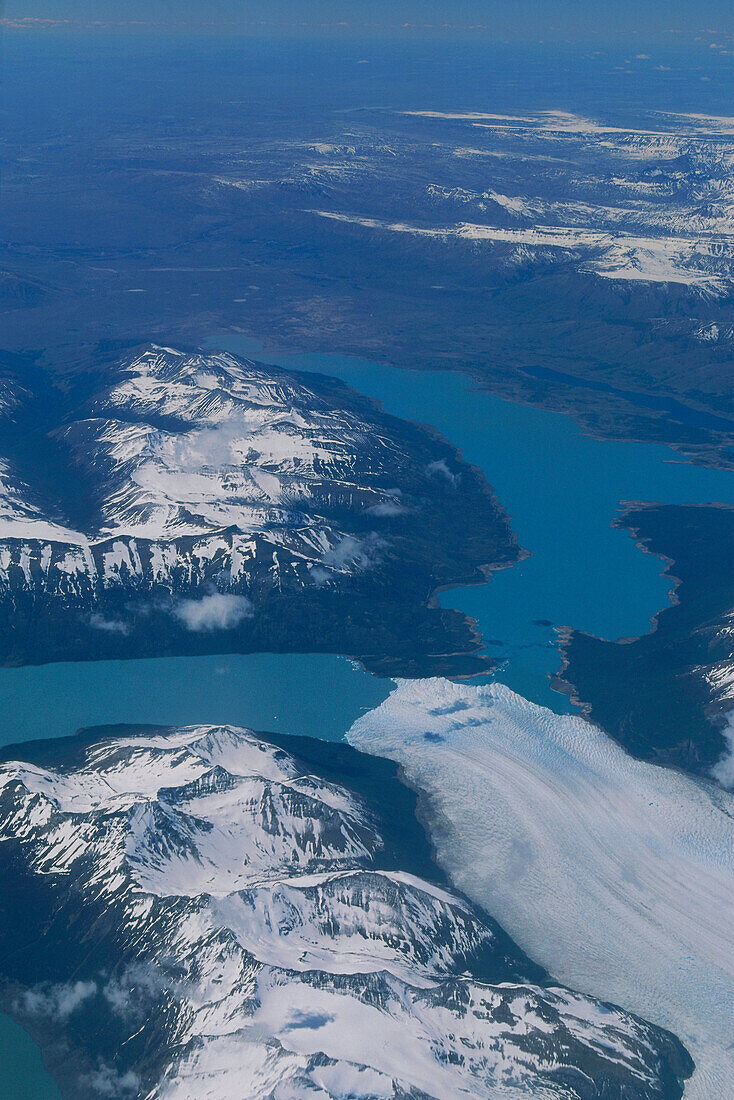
(562, 490)
(310, 693)
(23, 1075)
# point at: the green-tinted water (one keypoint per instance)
(23, 1075)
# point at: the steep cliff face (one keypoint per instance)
(225, 924)
(216, 496)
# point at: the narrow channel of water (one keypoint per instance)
(315, 694)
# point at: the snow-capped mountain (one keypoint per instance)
(211, 489)
(190, 444)
(246, 463)
(223, 922)
(635, 204)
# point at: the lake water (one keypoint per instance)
(23, 1075)
(314, 694)
(562, 490)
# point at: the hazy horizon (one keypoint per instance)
(709, 23)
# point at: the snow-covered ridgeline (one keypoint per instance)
(247, 926)
(705, 263)
(205, 467)
(640, 204)
(617, 875)
(670, 125)
(230, 559)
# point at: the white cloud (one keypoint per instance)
(111, 626)
(218, 611)
(387, 508)
(319, 575)
(107, 1082)
(352, 554)
(441, 467)
(57, 1000)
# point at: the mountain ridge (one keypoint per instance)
(301, 965)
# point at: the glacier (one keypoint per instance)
(615, 874)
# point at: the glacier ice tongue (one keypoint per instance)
(616, 874)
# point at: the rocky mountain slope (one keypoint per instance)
(217, 919)
(216, 498)
(686, 660)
